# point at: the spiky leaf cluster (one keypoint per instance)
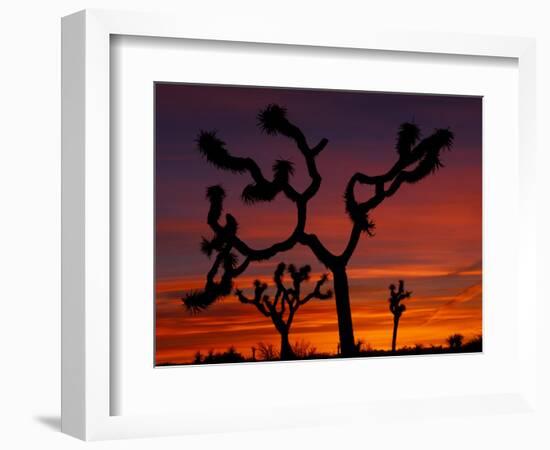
(273, 120)
(265, 191)
(282, 171)
(301, 274)
(430, 149)
(260, 192)
(356, 213)
(216, 154)
(200, 300)
(407, 137)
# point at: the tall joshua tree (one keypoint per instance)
(397, 308)
(416, 159)
(286, 302)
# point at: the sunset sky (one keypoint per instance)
(428, 234)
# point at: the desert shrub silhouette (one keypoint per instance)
(455, 341)
(303, 349)
(473, 345)
(267, 352)
(231, 355)
(416, 159)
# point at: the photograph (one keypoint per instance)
(302, 224)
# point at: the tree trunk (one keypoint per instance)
(286, 349)
(394, 338)
(343, 311)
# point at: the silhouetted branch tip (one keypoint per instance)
(407, 136)
(430, 149)
(259, 192)
(197, 301)
(304, 272)
(358, 215)
(444, 137)
(215, 193)
(282, 170)
(208, 141)
(216, 154)
(280, 268)
(429, 164)
(272, 119)
(319, 147)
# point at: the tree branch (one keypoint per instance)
(273, 120)
(262, 189)
(426, 156)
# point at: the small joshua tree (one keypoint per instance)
(286, 302)
(455, 341)
(416, 159)
(397, 308)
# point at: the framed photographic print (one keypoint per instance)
(281, 256)
(247, 208)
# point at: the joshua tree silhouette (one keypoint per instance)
(286, 302)
(416, 159)
(455, 341)
(397, 308)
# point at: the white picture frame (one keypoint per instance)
(86, 220)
